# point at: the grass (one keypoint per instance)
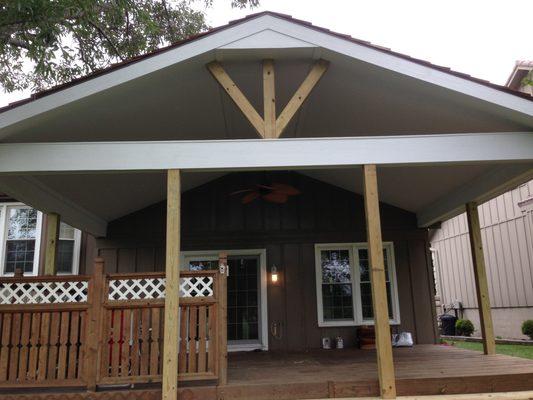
(515, 350)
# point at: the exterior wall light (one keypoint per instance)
(274, 274)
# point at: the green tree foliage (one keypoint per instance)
(44, 42)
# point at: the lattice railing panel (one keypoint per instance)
(43, 292)
(136, 289)
(154, 288)
(196, 286)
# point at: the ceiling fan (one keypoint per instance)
(276, 192)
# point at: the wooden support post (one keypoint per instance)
(94, 331)
(223, 320)
(52, 239)
(480, 276)
(269, 99)
(385, 362)
(172, 287)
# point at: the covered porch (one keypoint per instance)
(380, 148)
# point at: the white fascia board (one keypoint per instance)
(489, 185)
(28, 158)
(34, 193)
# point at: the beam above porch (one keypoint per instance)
(31, 158)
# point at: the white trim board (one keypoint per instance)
(248, 28)
(212, 255)
(20, 158)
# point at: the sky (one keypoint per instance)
(480, 38)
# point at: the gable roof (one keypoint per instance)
(128, 62)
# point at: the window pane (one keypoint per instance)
(337, 301)
(66, 231)
(19, 254)
(203, 265)
(65, 255)
(366, 288)
(335, 266)
(22, 223)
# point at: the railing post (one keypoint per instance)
(223, 320)
(94, 331)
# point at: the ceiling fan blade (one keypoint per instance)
(264, 186)
(278, 198)
(250, 197)
(285, 189)
(241, 191)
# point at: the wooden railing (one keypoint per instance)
(106, 329)
(43, 326)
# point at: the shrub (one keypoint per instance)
(527, 328)
(464, 327)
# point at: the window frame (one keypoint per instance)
(75, 268)
(353, 249)
(4, 207)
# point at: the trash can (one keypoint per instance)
(447, 324)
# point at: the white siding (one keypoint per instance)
(508, 244)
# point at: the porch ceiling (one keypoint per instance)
(183, 102)
(428, 191)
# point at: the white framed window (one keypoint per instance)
(344, 295)
(68, 250)
(20, 238)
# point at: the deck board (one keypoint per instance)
(421, 370)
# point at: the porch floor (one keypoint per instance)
(423, 369)
(319, 374)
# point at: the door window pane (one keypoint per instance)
(243, 299)
(20, 241)
(337, 296)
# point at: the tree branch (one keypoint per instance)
(107, 38)
(18, 43)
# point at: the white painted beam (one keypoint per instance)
(491, 184)
(26, 158)
(34, 193)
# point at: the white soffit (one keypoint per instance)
(281, 28)
(267, 39)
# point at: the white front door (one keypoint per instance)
(247, 295)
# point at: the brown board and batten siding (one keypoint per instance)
(214, 219)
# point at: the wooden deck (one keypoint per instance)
(421, 370)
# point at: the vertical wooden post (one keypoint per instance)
(223, 320)
(480, 276)
(269, 99)
(52, 239)
(385, 362)
(172, 287)
(94, 331)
